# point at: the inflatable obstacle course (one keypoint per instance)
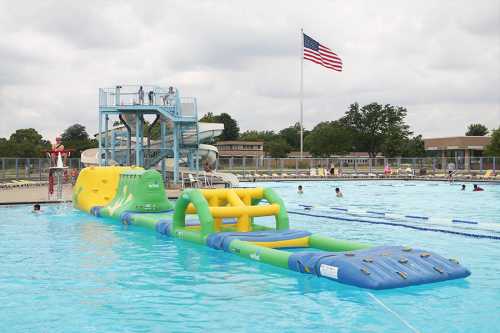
(96, 186)
(226, 219)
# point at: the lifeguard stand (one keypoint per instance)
(132, 145)
(58, 170)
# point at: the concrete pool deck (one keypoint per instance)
(38, 194)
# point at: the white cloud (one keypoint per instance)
(441, 60)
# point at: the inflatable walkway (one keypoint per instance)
(225, 219)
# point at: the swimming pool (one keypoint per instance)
(66, 271)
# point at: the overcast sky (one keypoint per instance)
(439, 59)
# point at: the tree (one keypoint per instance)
(26, 142)
(231, 130)
(414, 147)
(328, 138)
(476, 130)
(5, 148)
(493, 148)
(258, 136)
(292, 136)
(277, 148)
(75, 132)
(376, 127)
(208, 118)
(76, 137)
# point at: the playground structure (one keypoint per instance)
(226, 219)
(134, 143)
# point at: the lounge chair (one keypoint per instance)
(320, 172)
(193, 182)
(489, 174)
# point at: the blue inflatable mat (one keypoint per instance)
(382, 267)
(221, 240)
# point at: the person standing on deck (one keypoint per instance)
(151, 97)
(141, 95)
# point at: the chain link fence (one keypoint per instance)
(421, 166)
(30, 168)
(38, 168)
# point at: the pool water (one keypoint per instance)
(65, 271)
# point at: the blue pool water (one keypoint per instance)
(65, 271)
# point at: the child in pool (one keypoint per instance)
(37, 209)
(477, 188)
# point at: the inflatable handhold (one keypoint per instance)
(349, 254)
(407, 249)
(438, 269)
(455, 261)
(403, 261)
(403, 274)
(425, 255)
(369, 260)
(365, 271)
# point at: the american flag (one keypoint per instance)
(320, 54)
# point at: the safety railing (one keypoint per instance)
(133, 95)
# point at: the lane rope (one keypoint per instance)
(459, 233)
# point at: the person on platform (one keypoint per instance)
(207, 167)
(338, 193)
(141, 95)
(300, 190)
(151, 95)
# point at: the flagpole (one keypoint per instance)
(301, 93)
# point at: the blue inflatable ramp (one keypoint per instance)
(382, 267)
(280, 238)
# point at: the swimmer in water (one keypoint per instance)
(300, 190)
(463, 187)
(36, 208)
(477, 188)
(338, 193)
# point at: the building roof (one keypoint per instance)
(297, 154)
(236, 142)
(457, 142)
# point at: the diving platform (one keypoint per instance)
(176, 116)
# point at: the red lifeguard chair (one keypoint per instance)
(58, 169)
